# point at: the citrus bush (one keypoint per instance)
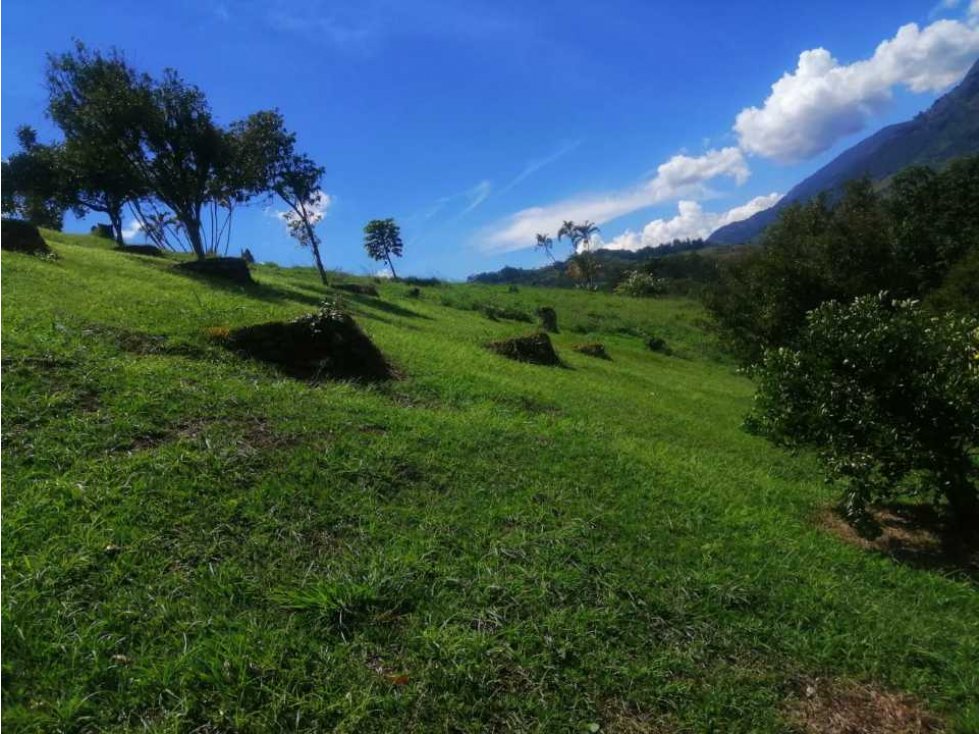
(889, 394)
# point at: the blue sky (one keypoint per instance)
(476, 124)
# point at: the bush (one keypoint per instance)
(641, 285)
(888, 393)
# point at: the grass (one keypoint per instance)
(194, 542)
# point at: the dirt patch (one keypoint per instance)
(227, 269)
(327, 344)
(141, 343)
(832, 707)
(533, 348)
(915, 535)
(621, 717)
(592, 349)
(17, 235)
(358, 288)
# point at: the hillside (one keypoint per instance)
(194, 541)
(947, 130)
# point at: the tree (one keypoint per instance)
(582, 265)
(157, 133)
(33, 182)
(268, 162)
(888, 393)
(545, 243)
(382, 240)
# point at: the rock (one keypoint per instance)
(358, 288)
(230, 269)
(247, 256)
(593, 349)
(16, 235)
(548, 319)
(327, 344)
(533, 348)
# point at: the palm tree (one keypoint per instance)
(584, 233)
(544, 242)
(568, 230)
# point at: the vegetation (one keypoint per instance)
(195, 541)
(904, 241)
(639, 284)
(382, 240)
(889, 394)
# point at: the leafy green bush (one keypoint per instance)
(640, 285)
(888, 393)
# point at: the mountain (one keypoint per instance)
(948, 129)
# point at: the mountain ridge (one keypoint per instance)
(946, 130)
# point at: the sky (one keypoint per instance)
(477, 124)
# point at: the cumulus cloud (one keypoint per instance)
(682, 175)
(691, 222)
(822, 100)
(131, 230)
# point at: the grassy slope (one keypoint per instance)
(191, 538)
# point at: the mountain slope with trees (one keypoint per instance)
(947, 130)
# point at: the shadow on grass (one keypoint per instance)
(386, 306)
(914, 535)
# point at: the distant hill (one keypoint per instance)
(948, 129)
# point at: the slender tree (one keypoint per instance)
(382, 240)
(545, 243)
(269, 163)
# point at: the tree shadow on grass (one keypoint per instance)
(386, 306)
(914, 535)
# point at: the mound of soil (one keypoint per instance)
(358, 288)
(656, 344)
(548, 319)
(147, 250)
(533, 348)
(836, 707)
(593, 349)
(230, 269)
(327, 344)
(17, 235)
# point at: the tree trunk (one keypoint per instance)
(193, 228)
(394, 275)
(314, 245)
(963, 502)
(115, 218)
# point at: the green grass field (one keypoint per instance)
(193, 542)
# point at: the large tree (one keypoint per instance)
(382, 240)
(159, 133)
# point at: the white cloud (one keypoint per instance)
(131, 230)
(691, 222)
(822, 101)
(682, 175)
(476, 196)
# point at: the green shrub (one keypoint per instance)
(641, 285)
(888, 393)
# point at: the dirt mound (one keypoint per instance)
(533, 348)
(17, 235)
(327, 344)
(593, 349)
(358, 288)
(548, 319)
(658, 345)
(828, 707)
(230, 269)
(147, 250)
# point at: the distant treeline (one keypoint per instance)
(613, 266)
